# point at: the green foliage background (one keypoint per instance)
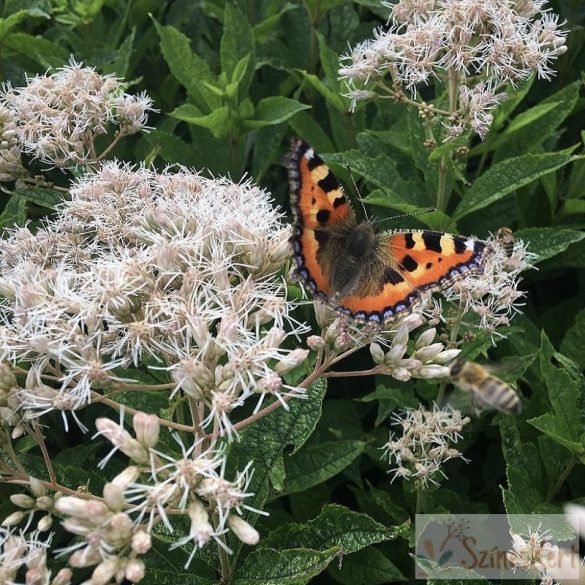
(232, 81)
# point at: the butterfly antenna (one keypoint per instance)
(359, 195)
(421, 212)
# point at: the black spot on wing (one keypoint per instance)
(409, 241)
(314, 162)
(322, 237)
(432, 241)
(329, 182)
(460, 245)
(409, 263)
(339, 201)
(391, 276)
(323, 215)
(429, 265)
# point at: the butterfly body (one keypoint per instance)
(367, 275)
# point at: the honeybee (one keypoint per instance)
(486, 390)
(505, 237)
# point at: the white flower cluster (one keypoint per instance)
(482, 45)
(426, 361)
(535, 555)
(25, 557)
(57, 117)
(113, 534)
(424, 443)
(493, 295)
(170, 270)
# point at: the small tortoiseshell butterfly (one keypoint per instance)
(367, 275)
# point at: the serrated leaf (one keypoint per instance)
(520, 467)
(14, 212)
(266, 566)
(42, 197)
(155, 576)
(274, 110)
(237, 46)
(336, 525)
(314, 465)
(547, 242)
(366, 567)
(188, 68)
(265, 440)
(573, 344)
(507, 176)
(43, 51)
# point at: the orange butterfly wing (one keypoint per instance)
(317, 202)
(414, 261)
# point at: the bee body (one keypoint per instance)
(505, 237)
(486, 390)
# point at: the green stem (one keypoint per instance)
(420, 494)
(561, 479)
(224, 562)
(442, 194)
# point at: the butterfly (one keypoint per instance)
(366, 275)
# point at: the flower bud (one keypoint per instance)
(400, 374)
(22, 501)
(141, 542)
(201, 529)
(291, 361)
(126, 477)
(316, 342)
(244, 531)
(114, 496)
(147, 427)
(63, 577)
(104, 572)
(134, 571)
(446, 356)
(426, 354)
(433, 371)
(45, 523)
(426, 337)
(13, 519)
(377, 353)
(395, 353)
(44, 503)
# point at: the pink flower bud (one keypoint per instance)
(134, 571)
(316, 342)
(141, 542)
(22, 501)
(114, 496)
(244, 531)
(147, 427)
(104, 572)
(292, 360)
(63, 577)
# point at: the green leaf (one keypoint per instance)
(274, 110)
(311, 131)
(507, 176)
(336, 525)
(522, 467)
(218, 122)
(42, 197)
(171, 148)
(547, 242)
(366, 567)
(265, 440)
(43, 51)
(190, 70)
(332, 97)
(155, 576)
(14, 212)
(573, 343)
(266, 566)
(12, 21)
(237, 46)
(552, 426)
(263, 29)
(317, 463)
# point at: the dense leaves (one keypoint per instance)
(232, 82)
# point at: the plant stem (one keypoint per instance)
(561, 479)
(419, 498)
(224, 561)
(442, 194)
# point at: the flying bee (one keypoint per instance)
(486, 390)
(505, 238)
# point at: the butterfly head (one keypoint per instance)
(361, 240)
